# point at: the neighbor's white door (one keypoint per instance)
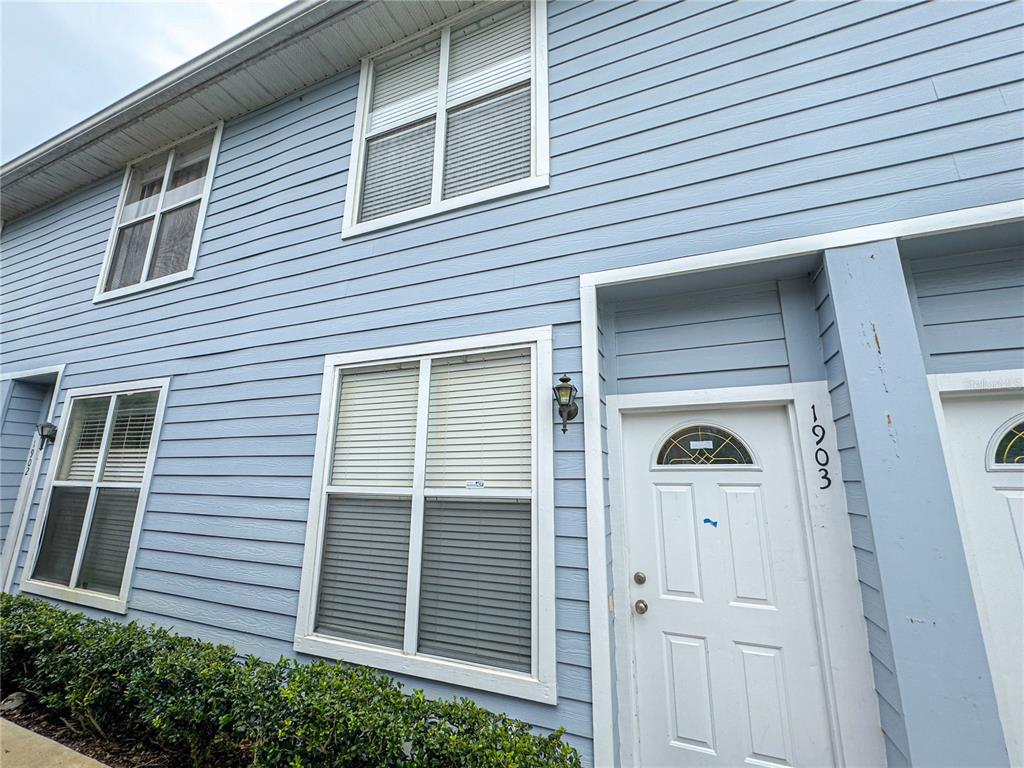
(727, 663)
(986, 449)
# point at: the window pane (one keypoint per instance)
(399, 171)
(1011, 446)
(476, 593)
(490, 54)
(480, 424)
(375, 441)
(60, 537)
(364, 569)
(129, 437)
(188, 177)
(174, 242)
(144, 185)
(405, 87)
(129, 254)
(110, 532)
(85, 436)
(488, 143)
(703, 445)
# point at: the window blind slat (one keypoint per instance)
(474, 606)
(375, 439)
(110, 533)
(364, 567)
(134, 416)
(488, 435)
(399, 171)
(488, 143)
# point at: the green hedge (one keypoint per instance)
(195, 701)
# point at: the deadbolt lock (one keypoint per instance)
(640, 577)
(640, 606)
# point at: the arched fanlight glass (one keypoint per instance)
(703, 445)
(1010, 449)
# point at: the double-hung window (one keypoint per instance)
(84, 543)
(155, 237)
(430, 548)
(458, 117)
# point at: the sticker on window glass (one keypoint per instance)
(695, 444)
(474, 483)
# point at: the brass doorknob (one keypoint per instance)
(640, 606)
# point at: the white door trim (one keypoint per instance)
(839, 615)
(22, 505)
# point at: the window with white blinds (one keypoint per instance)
(431, 469)
(159, 217)
(457, 117)
(94, 500)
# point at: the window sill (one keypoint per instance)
(413, 214)
(129, 290)
(513, 684)
(79, 596)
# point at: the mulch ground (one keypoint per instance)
(116, 755)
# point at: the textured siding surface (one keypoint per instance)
(970, 310)
(676, 129)
(719, 338)
(22, 406)
(879, 642)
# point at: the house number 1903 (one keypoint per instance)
(820, 453)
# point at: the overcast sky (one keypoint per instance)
(61, 62)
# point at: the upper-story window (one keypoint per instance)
(457, 116)
(155, 236)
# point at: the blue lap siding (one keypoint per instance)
(676, 129)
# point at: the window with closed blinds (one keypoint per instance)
(462, 100)
(95, 496)
(432, 462)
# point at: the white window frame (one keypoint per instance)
(539, 684)
(144, 285)
(540, 155)
(114, 603)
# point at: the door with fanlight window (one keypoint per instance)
(985, 436)
(726, 650)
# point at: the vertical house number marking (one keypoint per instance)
(821, 456)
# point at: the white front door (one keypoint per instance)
(727, 662)
(985, 437)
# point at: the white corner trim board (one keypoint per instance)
(601, 602)
(20, 513)
(539, 684)
(115, 603)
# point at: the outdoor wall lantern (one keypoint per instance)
(565, 396)
(47, 433)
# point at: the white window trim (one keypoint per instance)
(538, 686)
(101, 295)
(114, 603)
(540, 175)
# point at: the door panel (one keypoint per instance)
(727, 659)
(991, 510)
